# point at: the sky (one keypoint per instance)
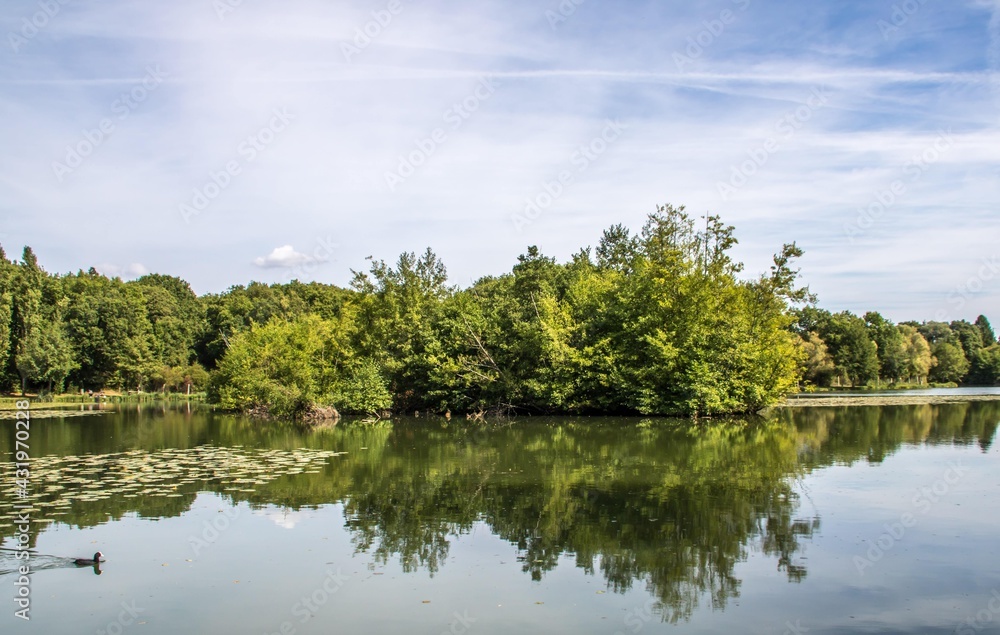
(225, 141)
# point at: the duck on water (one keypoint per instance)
(90, 562)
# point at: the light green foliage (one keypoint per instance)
(362, 390)
(916, 353)
(287, 367)
(190, 378)
(282, 366)
(817, 365)
(194, 378)
(952, 347)
(240, 307)
(7, 272)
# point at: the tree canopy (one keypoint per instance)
(662, 321)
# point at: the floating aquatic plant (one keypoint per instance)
(59, 483)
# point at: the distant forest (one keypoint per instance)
(656, 322)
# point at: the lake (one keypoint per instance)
(813, 520)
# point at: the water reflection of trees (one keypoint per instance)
(672, 506)
(845, 435)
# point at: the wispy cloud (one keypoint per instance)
(326, 174)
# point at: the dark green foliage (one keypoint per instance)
(176, 317)
(989, 336)
(617, 249)
(48, 358)
(935, 332)
(952, 365)
(891, 346)
(847, 337)
(986, 367)
(969, 336)
(110, 332)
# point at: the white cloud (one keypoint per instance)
(284, 257)
(134, 270)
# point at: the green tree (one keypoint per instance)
(400, 308)
(917, 354)
(935, 332)
(48, 357)
(662, 322)
(286, 368)
(362, 390)
(811, 319)
(7, 273)
(818, 367)
(853, 351)
(989, 336)
(26, 316)
(692, 337)
(240, 308)
(180, 378)
(986, 367)
(194, 378)
(891, 346)
(617, 249)
(683, 289)
(951, 365)
(109, 331)
(167, 378)
(969, 336)
(175, 315)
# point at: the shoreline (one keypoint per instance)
(821, 400)
(881, 400)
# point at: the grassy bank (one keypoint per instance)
(7, 402)
(901, 399)
(877, 387)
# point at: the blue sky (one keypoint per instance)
(252, 140)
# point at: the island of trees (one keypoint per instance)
(660, 322)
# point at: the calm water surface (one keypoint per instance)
(819, 520)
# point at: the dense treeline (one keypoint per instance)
(843, 349)
(658, 322)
